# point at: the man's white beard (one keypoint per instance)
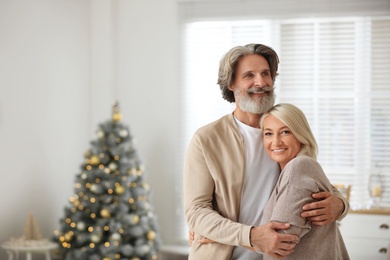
(256, 106)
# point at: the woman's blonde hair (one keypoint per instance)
(296, 121)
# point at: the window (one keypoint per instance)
(335, 69)
(332, 69)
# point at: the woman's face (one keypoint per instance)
(280, 143)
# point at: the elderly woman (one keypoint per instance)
(289, 141)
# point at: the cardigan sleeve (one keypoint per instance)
(200, 215)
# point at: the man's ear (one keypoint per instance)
(231, 88)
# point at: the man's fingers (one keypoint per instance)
(308, 214)
(318, 218)
(313, 205)
(319, 221)
(321, 195)
(279, 225)
(283, 252)
(205, 241)
(190, 237)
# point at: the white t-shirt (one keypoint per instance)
(261, 175)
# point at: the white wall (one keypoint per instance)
(148, 88)
(62, 64)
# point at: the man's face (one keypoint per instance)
(253, 85)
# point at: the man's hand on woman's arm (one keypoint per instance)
(327, 209)
(265, 239)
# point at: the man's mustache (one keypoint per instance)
(259, 90)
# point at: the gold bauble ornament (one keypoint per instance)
(105, 213)
(116, 117)
(106, 258)
(67, 237)
(151, 235)
(76, 203)
(120, 190)
(94, 160)
(132, 171)
(135, 219)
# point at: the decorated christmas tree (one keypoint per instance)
(110, 215)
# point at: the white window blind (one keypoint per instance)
(380, 99)
(335, 69)
(334, 61)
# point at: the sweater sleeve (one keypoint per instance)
(345, 201)
(288, 207)
(299, 180)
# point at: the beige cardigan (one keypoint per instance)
(213, 178)
(214, 170)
